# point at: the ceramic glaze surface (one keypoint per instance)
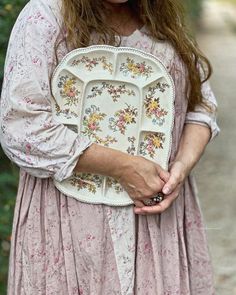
(118, 97)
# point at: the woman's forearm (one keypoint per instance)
(192, 145)
(102, 160)
(140, 177)
(106, 161)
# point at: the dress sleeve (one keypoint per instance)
(201, 115)
(29, 135)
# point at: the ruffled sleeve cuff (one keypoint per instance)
(203, 119)
(202, 115)
(66, 170)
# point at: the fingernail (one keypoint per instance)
(166, 190)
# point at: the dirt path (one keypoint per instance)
(216, 173)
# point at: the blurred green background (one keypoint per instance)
(9, 9)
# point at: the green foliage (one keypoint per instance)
(9, 10)
(193, 9)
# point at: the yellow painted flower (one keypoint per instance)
(128, 118)
(153, 105)
(67, 85)
(135, 70)
(130, 66)
(157, 142)
(95, 117)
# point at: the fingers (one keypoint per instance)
(171, 184)
(157, 209)
(138, 204)
(163, 174)
(176, 177)
(161, 207)
(178, 173)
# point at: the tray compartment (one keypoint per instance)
(83, 184)
(67, 97)
(91, 65)
(152, 145)
(157, 114)
(137, 69)
(111, 112)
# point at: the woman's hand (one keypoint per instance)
(192, 144)
(171, 190)
(142, 179)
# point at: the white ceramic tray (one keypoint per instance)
(118, 97)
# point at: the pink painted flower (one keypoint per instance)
(92, 126)
(149, 148)
(142, 68)
(71, 93)
(120, 124)
(121, 117)
(158, 113)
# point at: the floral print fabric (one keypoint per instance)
(63, 246)
(30, 137)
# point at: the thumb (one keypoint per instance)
(170, 185)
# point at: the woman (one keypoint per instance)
(61, 245)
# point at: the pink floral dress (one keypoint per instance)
(63, 246)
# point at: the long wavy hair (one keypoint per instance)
(164, 20)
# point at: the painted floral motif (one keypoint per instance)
(114, 91)
(68, 90)
(152, 104)
(131, 149)
(91, 120)
(66, 112)
(122, 118)
(112, 183)
(105, 141)
(91, 63)
(136, 69)
(88, 181)
(161, 86)
(152, 142)
(91, 124)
